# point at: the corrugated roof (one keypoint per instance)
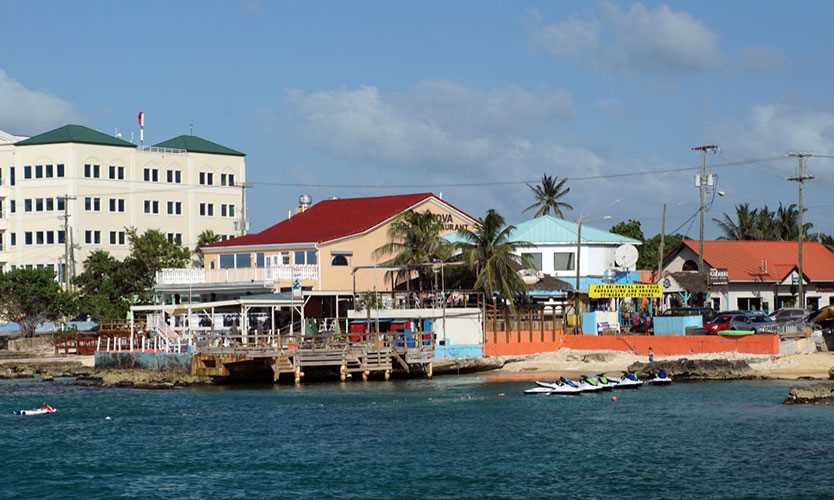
(766, 260)
(549, 229)
(331, 219)
(76, 134)
(194, 144)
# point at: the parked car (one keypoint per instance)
(789, 314)
(741, 320)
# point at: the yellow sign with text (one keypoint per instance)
(606, 291)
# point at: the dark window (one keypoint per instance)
(243, 260)
(27, 172)
(227, 261)
(121, 173)
(96, 171)
(14, 239)
(155, 175)
(11, 176)
(50, 237)
(339, 260)
(27, 205)
(27, 237)
(39, 237)
(533, 259)
(38, 171)
(147, 175)
(178, 177)
(61, 236)
(50, 204)
(48, 171)
(60, 203)
(39, 204)
(87, 170)
(12, 206)
(112, 172)
(259, 260)
(59, 170)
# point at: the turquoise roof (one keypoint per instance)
(548, 229)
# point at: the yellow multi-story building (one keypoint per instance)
(74, 190)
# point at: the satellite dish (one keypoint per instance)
(626, 256)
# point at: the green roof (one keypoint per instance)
(194, 144)
(75, 133)
(548, 229)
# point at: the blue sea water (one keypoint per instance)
(452, 437)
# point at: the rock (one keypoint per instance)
(697, 369)
(831, 374)
(47, 378)
(819, 393)
(89, 381)
(465, 365)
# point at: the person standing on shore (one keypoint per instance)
(651, 358)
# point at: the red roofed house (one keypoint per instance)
(758, 275)
(320, 245)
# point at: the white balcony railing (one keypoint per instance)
(246, 275)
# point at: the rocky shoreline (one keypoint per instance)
(818, 393)
(698, 369)
(90, 377)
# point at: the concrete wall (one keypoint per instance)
(144, 360)
(524, 342)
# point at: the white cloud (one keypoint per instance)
(443, 132)
(775, 129)
(636, 39)
(25, 111)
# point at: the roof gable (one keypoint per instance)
(549, 229)
(332, 219)
(194, 144)
(75, 134)
(766, 260)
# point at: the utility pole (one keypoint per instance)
(701, 183)
(662, 242)
(576, 290)
(800, 179)
(67, 243)
(243, 187)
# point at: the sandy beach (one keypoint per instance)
(569, 362)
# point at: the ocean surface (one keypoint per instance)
(453, 437)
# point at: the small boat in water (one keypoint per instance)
(44, 409)
(660, 378)
(591, 384)
(629, 381)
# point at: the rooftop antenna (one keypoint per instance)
(191, 129)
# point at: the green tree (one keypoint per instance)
(630, 229)
(105, 287)
(744, 227)
(151, 252)
(548, 194)
(414, 240)
(490, 254)
(650, 249)
(32, 296)
(205, 238)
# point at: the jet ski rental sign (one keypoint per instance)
(637, 290)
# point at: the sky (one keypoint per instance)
(471, 99)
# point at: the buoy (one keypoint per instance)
(613, 398)
(106, 418)
(500, 394)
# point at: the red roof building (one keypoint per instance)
(759, 274)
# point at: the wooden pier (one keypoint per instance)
(323, 355)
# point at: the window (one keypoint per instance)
(112, 204)
(61, 236)
(227, 179)
(38, 204)
(533, 259)
(59, 170)
(203, 180)
(231, 210)
(202, 209)
(174, 176)
(60, 202)
(222, 179)
(227, 261)
(563, 261)
(96, 171)
(50, 237)
(12, 206)
(210, 209)
(38, 171)
(113, 237)
(206, 178)
(243, 260)
(231, 179)
(88, 203)
(14, 239)
(309, 257)
(155, 175)
(121, 237)
(27, 205)
(223, 210)
(50, 204)
(48, 171)
(27, 237)
(87, 170)
(11, 176)
(178, 208)
(88, 236)
(259, 260)
(339, 260)
(147, 175)
(39, 237)
(285, 258)
(155, 206)
(121, 205)
(112, 172)
(27, 172)
(148, 206)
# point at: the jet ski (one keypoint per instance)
(590, 384)
(606, 381)
(562, 386)
(538, 390)
(43, 410)
(629, 381)
(660, 378)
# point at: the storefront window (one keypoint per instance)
(243, 260)
(227, 261)
(259, 260)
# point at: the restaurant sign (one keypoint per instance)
(608, 291)
(718, 276)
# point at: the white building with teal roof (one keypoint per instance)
(553, 248)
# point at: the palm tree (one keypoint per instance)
(413, 241)
(548, 194)
(743, 228)
(205, 238)
(787, 222)
(491, 256)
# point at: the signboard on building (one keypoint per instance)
(718, 276)
(638, 290)
(296, 288)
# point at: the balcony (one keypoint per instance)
(266, 275)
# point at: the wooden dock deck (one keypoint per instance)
(384, 353)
